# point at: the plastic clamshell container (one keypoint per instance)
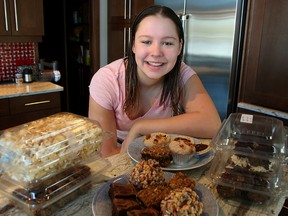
(250, 153)
(34, 151)
(55, 192)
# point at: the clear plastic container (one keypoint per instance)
(250, 153)
(54, 192)
(34, 151)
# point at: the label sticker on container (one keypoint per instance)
(245, 118)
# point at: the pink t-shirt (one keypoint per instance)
(107, 88)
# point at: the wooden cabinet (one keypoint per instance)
(82, 51)
(264, 68)
(18, 110)
(72, 38)
(120, 16)
(21, 18)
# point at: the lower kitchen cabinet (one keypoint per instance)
(18, 110)
(264, 67)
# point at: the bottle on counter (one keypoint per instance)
(27, 73)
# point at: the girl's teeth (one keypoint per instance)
(155, 64)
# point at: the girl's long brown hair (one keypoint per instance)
(171, 87)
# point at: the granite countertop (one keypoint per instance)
(122, 164)
(23, 89)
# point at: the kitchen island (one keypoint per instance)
(122, 164)
(20, 103)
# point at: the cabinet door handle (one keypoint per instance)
(129, 10)
(16, 15)
(125, 10)
(6, 17)
(37, 102)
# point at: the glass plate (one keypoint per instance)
(137, 145)
(101, 203)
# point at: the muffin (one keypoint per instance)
(146, 173)
(158, 139)
(183, 149)
(182, 201)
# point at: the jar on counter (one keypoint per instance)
(27, 73)
(47, 76)
(19, 78)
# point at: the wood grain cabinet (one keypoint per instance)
(21, 18)
(18, 110)
(264, 74)
(120, 16)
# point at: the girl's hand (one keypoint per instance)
(132, 134)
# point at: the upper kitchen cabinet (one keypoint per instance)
(264, 86)
(120, 16)
(21, 18)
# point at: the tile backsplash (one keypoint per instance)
(13, 55)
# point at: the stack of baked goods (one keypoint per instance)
(249, 159)
(168, 149)
(44, 162)
(149, 193)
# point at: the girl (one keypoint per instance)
(151, 90)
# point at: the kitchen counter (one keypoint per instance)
(121, 164)
(24, 89)
(24, 102)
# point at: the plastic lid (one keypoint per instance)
(55, 191)
(38, 149)
(250, 153)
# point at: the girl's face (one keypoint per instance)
(156, 47)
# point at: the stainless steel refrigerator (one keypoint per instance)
(213, 37)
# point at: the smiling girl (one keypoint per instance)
(151, 90)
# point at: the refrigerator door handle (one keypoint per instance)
(124, 41)
(184, 25)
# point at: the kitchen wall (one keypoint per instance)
(12, 55)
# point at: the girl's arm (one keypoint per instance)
(200, 119)
(106, 119)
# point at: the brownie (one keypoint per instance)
(118, 190)
(242, 186)
(121, 206)
(153, 195)
(180, 180)
(162, 155)
(254, 148)
(143, 212)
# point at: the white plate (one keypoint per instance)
(102, 206)
(134, 151)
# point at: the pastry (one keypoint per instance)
(162, 155)
(146, 173)
(120, 206)
(38, 149)
(118, 190)
(143, 212)
(180, 180)
(156, 139)
(183, 149)
(183, 201)
(153, 195)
